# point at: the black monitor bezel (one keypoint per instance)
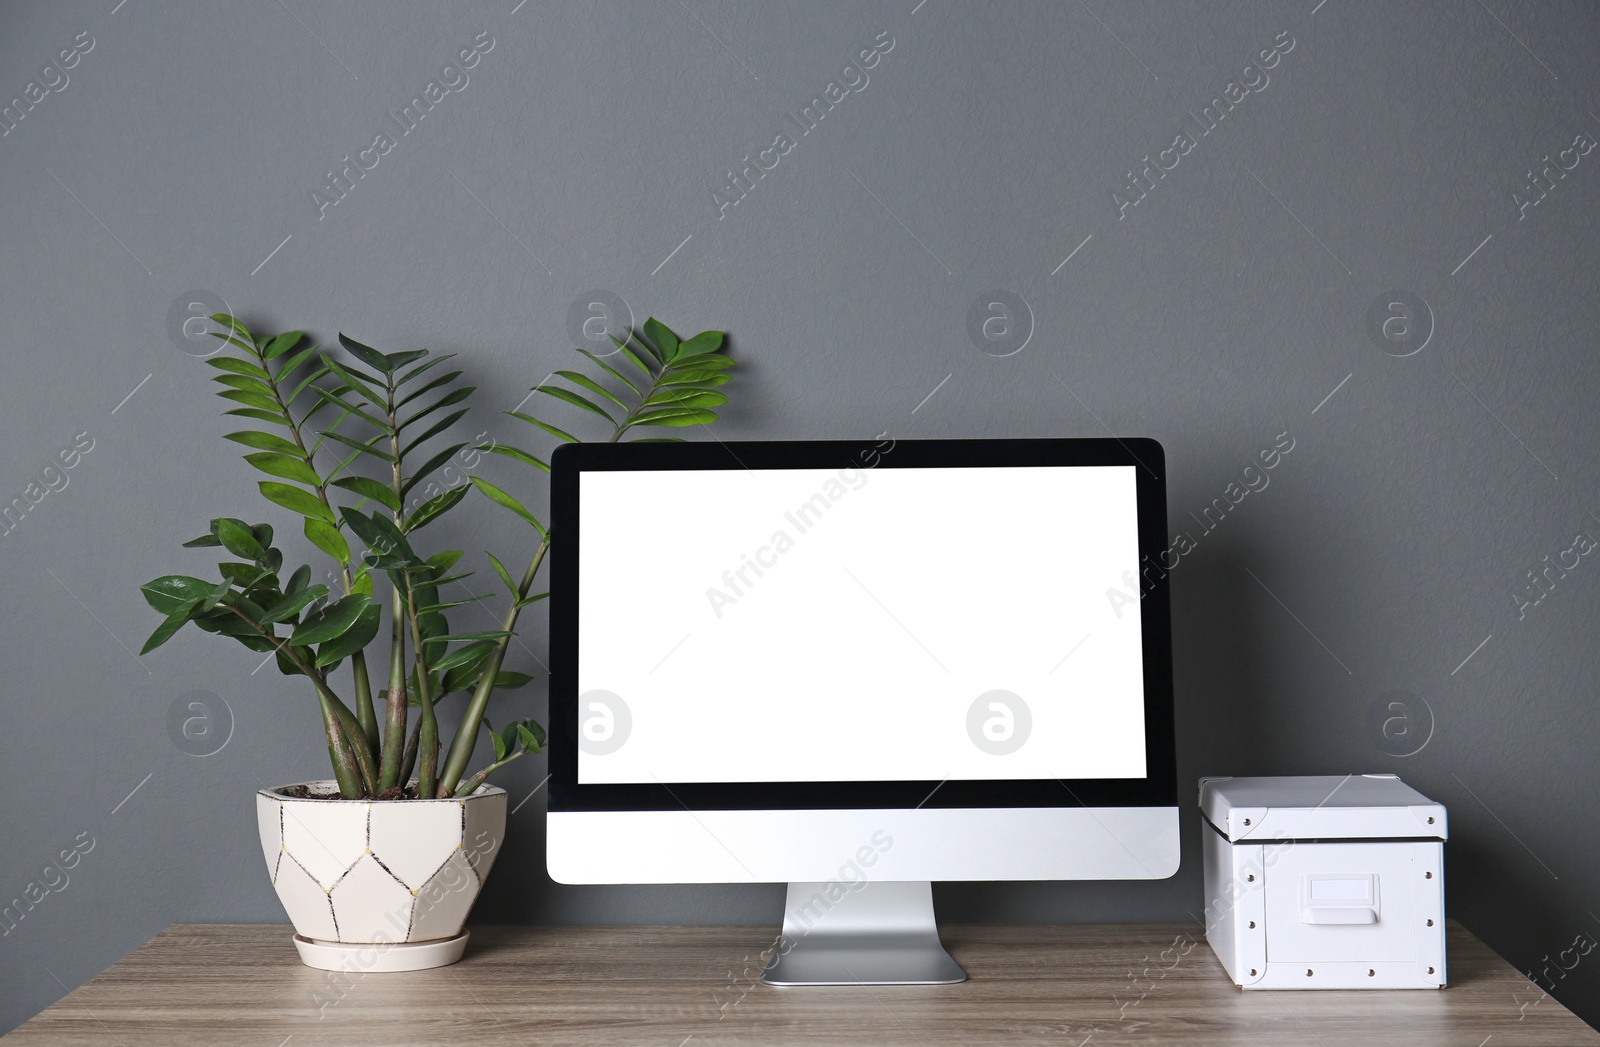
(1157, 789)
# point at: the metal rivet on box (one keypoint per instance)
(1247, 821)
(1430, 820)
(1251, 877)
(1430, 923)
(1252, 972)
(1371, 973)
(1430, 970)
(1427, 876)
(1252, 925)
(1308, 972)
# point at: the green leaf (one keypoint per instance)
(383, 539)
(281, 344)
(579, 378)
(328, 396)
(438, 427)
(449, 399)
(422, 369)
(632, 357)
(232, 323)
(363, 446)
(612, 371)
(501, 746)
(673, 416)
(521, 456)
(288, 668)
(294, 603)
(574, 399)
(372, 489)
(486, 635)
(244, 383)
(239, 396)
(433, 508)
(231, 340)
(499, 496)
(399, 360)
(529, 733)
(435, 608)
(661, 339)
(352, 640)
(534, 598)
(707, 360)
(263, 441)
(559, 434)
(333, 620)
(444, 379)
(507, 679)
(420, 474)
(290, 467)
(445, 560)
(235, 365)
(316, 375)
(704, 342)
(296, 500)
(205, 541)
(505, 575)
(167, 593)
(686, 398)
(273, 416)
(244, 575)
(215, 596)
(472, 654)
(375, 398)
(292, 364)
(697, 378)
(237, 539)
(326, 537)
(299, 579)
(174, 622)
(366, 354)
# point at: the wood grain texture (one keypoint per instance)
(1076, 985)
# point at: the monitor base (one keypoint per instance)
(874, 933)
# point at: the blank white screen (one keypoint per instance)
(755, 642)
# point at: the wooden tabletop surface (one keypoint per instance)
(1070, 986)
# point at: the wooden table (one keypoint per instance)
(1069, 986)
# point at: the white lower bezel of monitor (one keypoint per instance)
(780, 846)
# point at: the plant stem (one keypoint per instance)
(394, 728)
(367, 720)
(467, 735)
(428, 728)
(365, 715)
(470, 786)
(352, 763)
(409, 760)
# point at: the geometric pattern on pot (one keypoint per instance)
(385, 871)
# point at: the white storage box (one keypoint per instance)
(1330, 882)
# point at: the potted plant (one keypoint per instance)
(393, 849)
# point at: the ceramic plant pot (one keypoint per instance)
(379, 885)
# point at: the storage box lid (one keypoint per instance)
(1321, 807)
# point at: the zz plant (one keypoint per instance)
(340, 445)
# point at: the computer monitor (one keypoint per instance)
(856, 667)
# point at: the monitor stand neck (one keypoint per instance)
(868, 933)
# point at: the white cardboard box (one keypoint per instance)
(1329, 882)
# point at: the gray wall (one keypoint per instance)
(1387, 151)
